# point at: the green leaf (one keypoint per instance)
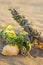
(28, 45)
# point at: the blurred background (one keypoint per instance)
(32, 9)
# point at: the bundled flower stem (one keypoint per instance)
(27, 25)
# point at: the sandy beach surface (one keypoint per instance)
(33, 10)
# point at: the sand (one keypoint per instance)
(33, 10)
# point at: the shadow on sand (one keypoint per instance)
(36, 52)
